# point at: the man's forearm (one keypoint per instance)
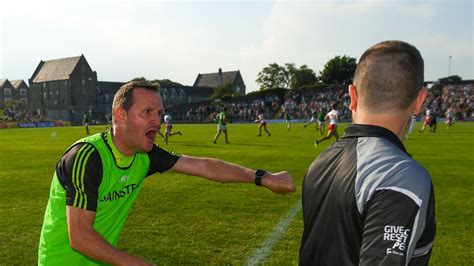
(218, 170)
(93, 245)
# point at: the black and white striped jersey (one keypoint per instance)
(366, 201)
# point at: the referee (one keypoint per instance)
(365, 200)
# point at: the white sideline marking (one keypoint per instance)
(261, 253)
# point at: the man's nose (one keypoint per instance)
(156, 120)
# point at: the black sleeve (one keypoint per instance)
(161, 160)
(388, 229)
(80, 172)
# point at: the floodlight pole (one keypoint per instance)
(449, 66)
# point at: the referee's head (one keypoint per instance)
(389, 77)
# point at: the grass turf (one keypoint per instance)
(179, 219)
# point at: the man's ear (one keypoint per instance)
(420, 99)
(120, 114)
(354, 98)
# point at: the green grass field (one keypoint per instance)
(179, 219)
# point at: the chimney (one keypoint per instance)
(220, 77)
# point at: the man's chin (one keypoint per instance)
(148, 146)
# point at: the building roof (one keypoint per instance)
(17, 82)
(57, 69)
(110, 87)
(5, 82)
(215, 79)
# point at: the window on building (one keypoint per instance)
(24, 100)
(83, 81)
(7, 100)
(7, 91)
(50, 92)
(106, 98)
(22, 92)
(44, 95)
(44, 84)
(57, 92)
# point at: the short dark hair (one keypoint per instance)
(124, 96)
(389, 76)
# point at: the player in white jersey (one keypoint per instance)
(426, 120)
(449, 117)
(169, 127)
(333, 117)
(262, 123)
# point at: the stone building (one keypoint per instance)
(63, 89)
(214, 80)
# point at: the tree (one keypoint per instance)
(273, 76)
(222, 91)
(338, 70)
(450, 80)
(302, 77)
(286, 77)
(166, 83)
(139, 79)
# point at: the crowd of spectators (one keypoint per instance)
(458, 97)
(16, 113)
(300, 105)
(242, 109)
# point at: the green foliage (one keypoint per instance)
(302, 77)
(139, 79)
(338, 70)
(222, 91)
(166, 83)
(286, 77)
(183, 220)
(280, 92)
(273, 76)
(450, 80)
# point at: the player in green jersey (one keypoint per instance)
(321, 121)
(221, 125)
(313, 118)
(99, 177)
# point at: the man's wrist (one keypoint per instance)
(259, 176)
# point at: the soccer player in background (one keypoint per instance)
(313, 118)
(333, 117)
(262, 123)
(449, 117)
(288, 119)
(426, 121)
(169, 127)
(365, 200)
(221, 125)
(433, 121)
(321, 121)
(86, 120)
(99, 177)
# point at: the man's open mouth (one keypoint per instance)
(151, 134)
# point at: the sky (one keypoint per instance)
(180, 39)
